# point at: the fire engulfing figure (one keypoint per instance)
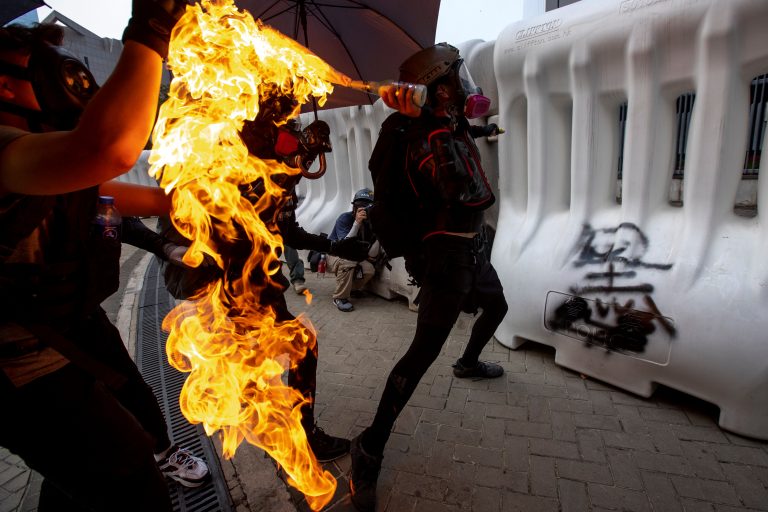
(229, 341)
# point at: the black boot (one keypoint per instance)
(326, 447)
(362, 477)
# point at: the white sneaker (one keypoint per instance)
(300, 287)
(182, 466)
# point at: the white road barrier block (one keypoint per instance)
(639, 293)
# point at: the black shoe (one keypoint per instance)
(357, 294)
(482, 370)
(363, 476)
(325, 447)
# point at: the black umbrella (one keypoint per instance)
(12, 9)
(364, 39)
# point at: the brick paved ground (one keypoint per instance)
(542, 438)
(19, 487)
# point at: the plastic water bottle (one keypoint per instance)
(107, 223)
(321, 266)
(419, 93)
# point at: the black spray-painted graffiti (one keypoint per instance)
(603, 310)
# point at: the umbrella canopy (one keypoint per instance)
(364, 39)
(12, 9)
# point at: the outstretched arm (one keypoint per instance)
(113, 130)
(137, 200)
(115, 124)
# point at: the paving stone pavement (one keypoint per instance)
(542, 438)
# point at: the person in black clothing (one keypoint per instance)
(296, 148)
(67, 385)
(427, 174)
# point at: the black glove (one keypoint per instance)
(152, 21)
(488, 130)
(492, 129)
(352, 249)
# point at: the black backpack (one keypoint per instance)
(394, 214)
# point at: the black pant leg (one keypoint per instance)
(99, 338)
(488, 294)
(74, 432)
(402, 382)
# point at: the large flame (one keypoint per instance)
(235, 351)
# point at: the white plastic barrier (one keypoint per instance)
(639, 293)
(354, 131)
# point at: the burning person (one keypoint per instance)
(268, 139)
(224, 143)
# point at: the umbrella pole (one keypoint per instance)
(302, 14)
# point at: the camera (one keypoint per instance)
(363, 206)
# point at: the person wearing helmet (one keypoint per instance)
(431, 185)
(353, 275)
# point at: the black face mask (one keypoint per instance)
(62, 85)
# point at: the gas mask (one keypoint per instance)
(288, 144)
(304, 146)
(62, 85)
(475, 104)
(441, 67)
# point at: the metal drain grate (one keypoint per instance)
(166, 382)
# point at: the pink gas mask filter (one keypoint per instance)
(476, 104)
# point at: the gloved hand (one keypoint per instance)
(175, 253)
(491, 130)
(152, 21)
(352, 249)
